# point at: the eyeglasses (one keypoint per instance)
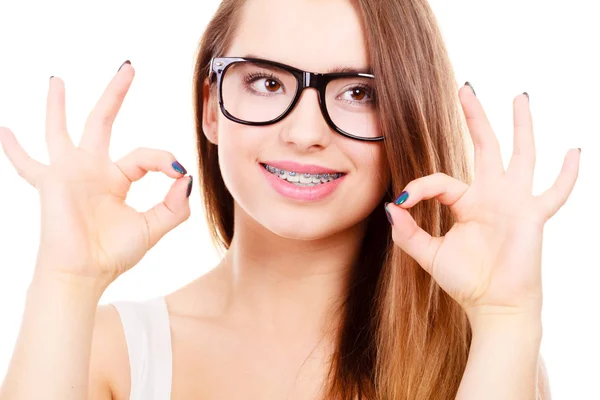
(254, 91)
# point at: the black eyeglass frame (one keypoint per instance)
(304, 79)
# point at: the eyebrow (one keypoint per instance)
(334, 70)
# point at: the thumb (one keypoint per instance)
(27, 168)
(411, 238)
(171, 212)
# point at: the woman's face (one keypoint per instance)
(314, 36)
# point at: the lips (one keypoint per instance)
(301, 193)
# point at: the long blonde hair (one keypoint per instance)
(401, 336)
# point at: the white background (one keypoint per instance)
(503, 48)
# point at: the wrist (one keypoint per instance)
(503, 355)
(70, 285)
(514, 323)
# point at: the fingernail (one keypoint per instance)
(526, 94)
(389, 216)
(178, 167)
(402, 198)
(189, 188)
(126, 62)
(471, 86)
(579, 148)
(52, 76)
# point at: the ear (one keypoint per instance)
(209, 114)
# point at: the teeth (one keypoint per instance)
(293, 177)
(302, 179)
(305, 178)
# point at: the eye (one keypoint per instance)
(271, 84)
(358, 94)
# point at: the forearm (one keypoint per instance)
(503, 359)
(52, 354)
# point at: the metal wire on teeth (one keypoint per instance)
(306, 175)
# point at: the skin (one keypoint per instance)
(267, 303)
(287, 263)
(260, 319)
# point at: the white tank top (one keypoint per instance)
(148, 336)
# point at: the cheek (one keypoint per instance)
(370, 162)
(372, 176)
(239, 149)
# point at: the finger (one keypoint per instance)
(446, 189)
(522, 163)
(28, 168)
(556, 196)
(137, 164)
(171, 212)
(487, 158)
(57, 137)
(411, 238)
(98, 126)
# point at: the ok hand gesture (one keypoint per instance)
(87, 229)
(490, 260)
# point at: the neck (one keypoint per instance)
(285, 286)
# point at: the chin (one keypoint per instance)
(307, 225)
(301, 226)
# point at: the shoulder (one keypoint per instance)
(109, 363)
(206, 295)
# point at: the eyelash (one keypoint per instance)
(251, 77)
(367, 89)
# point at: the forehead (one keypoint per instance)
(314, 35)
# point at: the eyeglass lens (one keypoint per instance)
(256, 92)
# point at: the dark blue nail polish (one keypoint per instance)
(402, 198)
(471, 86)
(178, 167)
(125, 62)
(389, 216)
(526, 94)
(189, 188)
(52, 76)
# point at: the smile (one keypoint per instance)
(302, 179)
(313, 183)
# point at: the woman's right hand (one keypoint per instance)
(87, 229)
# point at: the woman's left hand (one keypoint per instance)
(490, 260)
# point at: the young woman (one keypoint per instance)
(313, 120)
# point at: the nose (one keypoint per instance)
(306, 127)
